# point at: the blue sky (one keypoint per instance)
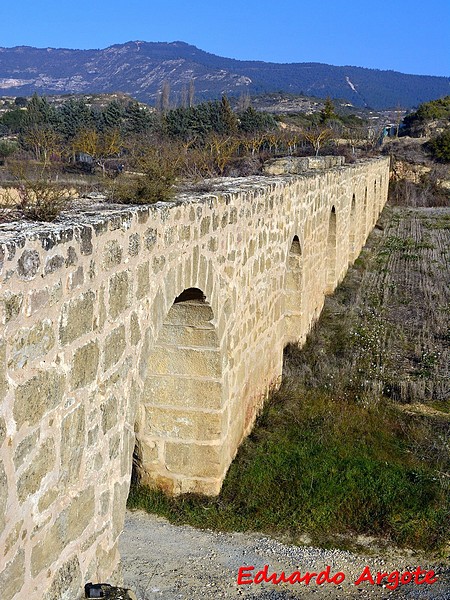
(410, 36)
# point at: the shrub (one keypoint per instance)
(439, 146)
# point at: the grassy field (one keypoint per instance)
(355, 442)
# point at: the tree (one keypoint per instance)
(440, 146)
(317, 137)
(328, 113)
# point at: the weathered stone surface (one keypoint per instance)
(109, 413)
(67, 582)
(76, 317)
(13, 536)
(42, 464)
(28, 264)
(37, 396)
(134, 244)
(53, 264)
(118, 512)
(143, 283)
(80, 513)
(75, 279)
(2, 430)
(29, 344)
(85, 365)
(47, 550)
(192, 361)
(3, 382)
(193, 460)
(112, 255)
(118, 293)
(114, 347)
(3, 495)
(13, 576)
(190, 393)
(25, 448)
(172, 424)
(12, 303)
(72, 445)
(135, 332)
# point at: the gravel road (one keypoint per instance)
(167, 562)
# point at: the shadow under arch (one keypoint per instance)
(331, 255)
(294, 293)
(178, 443)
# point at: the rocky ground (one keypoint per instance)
(167, 562)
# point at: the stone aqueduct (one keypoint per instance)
(158, 330)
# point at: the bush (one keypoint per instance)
(439, 146)
(158, 168)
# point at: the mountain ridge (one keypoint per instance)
(139, 68)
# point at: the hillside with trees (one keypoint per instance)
(150, 65)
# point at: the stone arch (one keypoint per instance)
(182, 422)
(331, 253)
(352, 231)
(294, 292)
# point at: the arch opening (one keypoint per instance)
(294, 293)
(331, 255)
(182, 416)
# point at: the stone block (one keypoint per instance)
(112, 254)
(193, 313)
(187, 361)
(44, 462)
(184, 425)
(118, 512)
(115, 344)
(75, 279)
(134, 244)
(3, 381)
(135, 332)
(37, 396)
(48, 498)
(143, 281)
(109, 413)
(31, 343)
(12, 577)
(53, 263)
(49, 548)
(28, 264)
(12, 303)
(119, 287)
(3, 496)
(187, 336)
(73, 429)
(2, 429)
(13, 536)
(80, 513)
(85, 365)
(67, 582)
(194, 460)
(171, 390)
(26, 447)
(76, 317)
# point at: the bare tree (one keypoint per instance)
(191, 93)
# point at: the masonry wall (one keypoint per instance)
(103, 352)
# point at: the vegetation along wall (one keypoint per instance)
(155, 331)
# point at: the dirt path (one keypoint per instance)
(163, 561)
